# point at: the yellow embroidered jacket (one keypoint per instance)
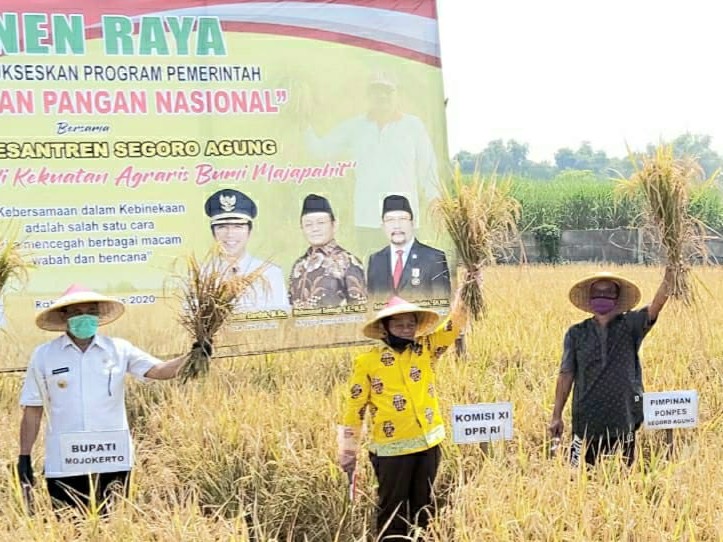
(399, 391)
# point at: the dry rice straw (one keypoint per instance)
(481, 217)
(209, 291)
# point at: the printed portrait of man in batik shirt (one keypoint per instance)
(326, 275)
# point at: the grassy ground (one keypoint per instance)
(251, 451)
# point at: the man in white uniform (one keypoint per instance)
(232, 214)
(392, 150)
(77, 380)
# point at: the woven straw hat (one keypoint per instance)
(53, 319)
(628, 298)
(427, 319)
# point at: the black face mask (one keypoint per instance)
(395, 343)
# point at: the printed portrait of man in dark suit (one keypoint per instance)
(406, 267)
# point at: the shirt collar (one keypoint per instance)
(617, 318)
(66, 341)
(414, 346)
(240, 264)
(406, 248)
(396, 117)
(327, 249)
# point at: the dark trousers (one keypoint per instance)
(594, 448)
(74, 491)
(405, 491)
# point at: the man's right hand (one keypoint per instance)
(556, 428)
(25, 470)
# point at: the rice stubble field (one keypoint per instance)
(249, 453)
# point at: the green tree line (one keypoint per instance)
(511, 157)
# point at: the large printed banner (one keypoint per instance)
(304, 137)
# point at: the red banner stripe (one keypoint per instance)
(321, 35)
(92, 10)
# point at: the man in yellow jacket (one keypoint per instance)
(396, 382)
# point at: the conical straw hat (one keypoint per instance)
(427, 319)
(628, 297)
(53, 318)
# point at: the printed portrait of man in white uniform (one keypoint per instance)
(232, 214)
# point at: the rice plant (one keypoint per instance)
(208, 293)
(665, 184)
(480, 216)
(14, 265)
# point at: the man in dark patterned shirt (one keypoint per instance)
(327, 275)
(601, 359)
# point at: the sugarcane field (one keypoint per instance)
(359, 270)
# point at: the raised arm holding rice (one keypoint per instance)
(601, 360)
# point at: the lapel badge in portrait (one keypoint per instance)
(415, 276)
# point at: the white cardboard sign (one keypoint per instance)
(482, 422)
(93, 452)
(670, 409)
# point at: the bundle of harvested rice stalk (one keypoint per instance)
(481, 218)
(13, 264)
(665, 183)
(209, 291)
